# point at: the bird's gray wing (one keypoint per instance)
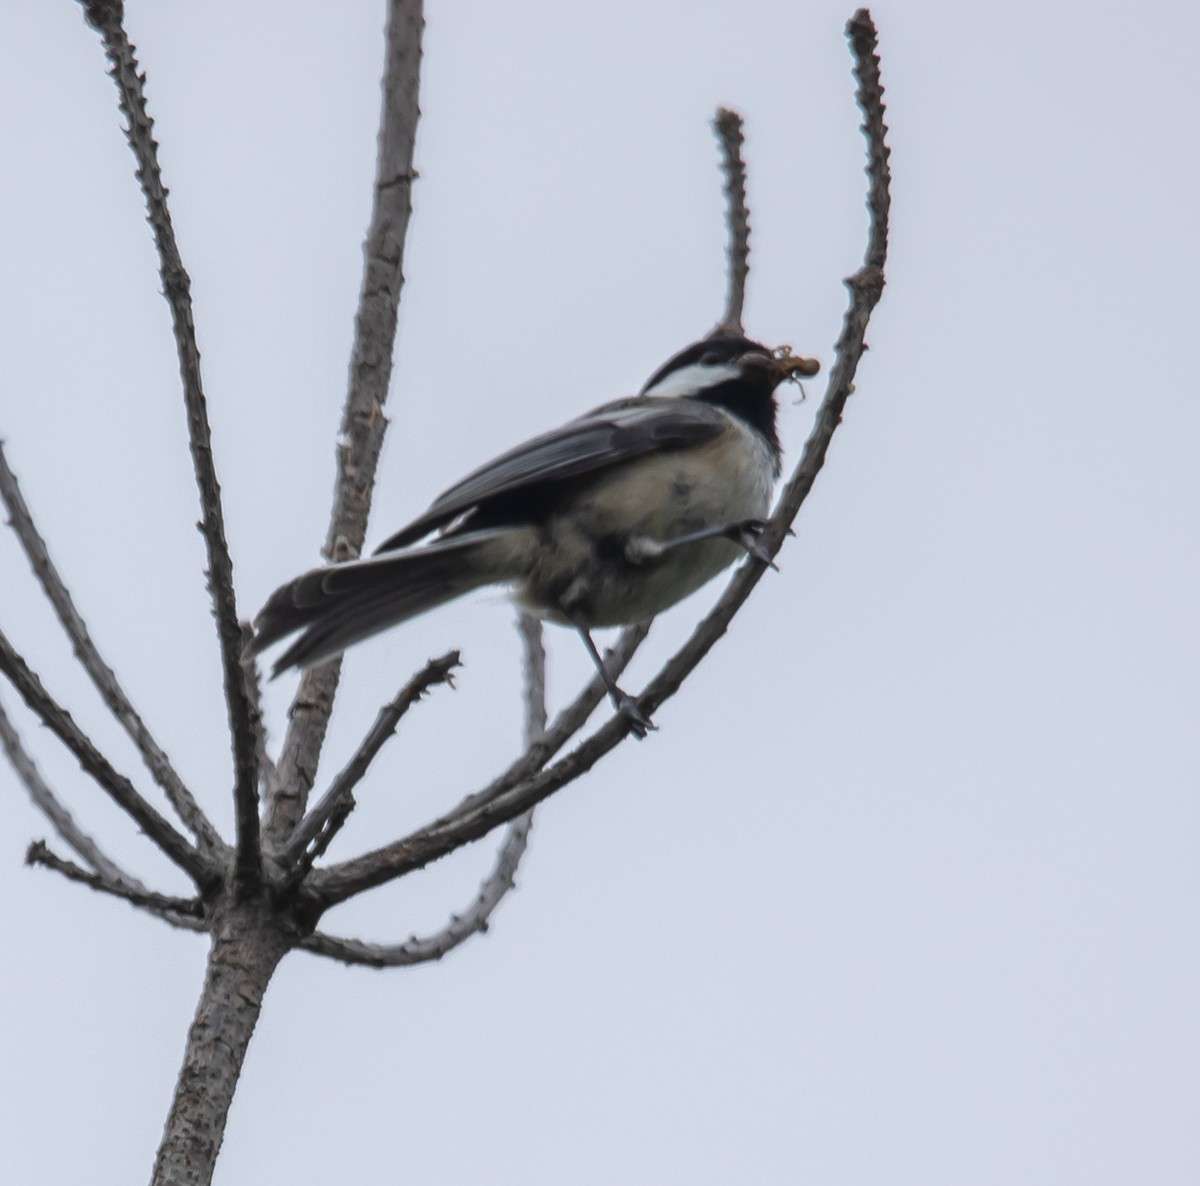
(609, 435)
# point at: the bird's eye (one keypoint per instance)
(711, 358)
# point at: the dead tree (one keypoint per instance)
(262, 894)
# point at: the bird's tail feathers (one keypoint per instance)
(336, 606)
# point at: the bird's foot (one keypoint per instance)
(640, 549)
(639, 723)
(747, 534)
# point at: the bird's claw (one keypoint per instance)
(639, 723)
(747, 535)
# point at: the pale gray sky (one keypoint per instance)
(905, 889)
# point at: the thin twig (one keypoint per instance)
(519, 790)
(106, 17)
(728, 127)
(39, 854)
(322, 823)
(50, 806)
(116, 785)
(101, 675)
(420, 950)
(363, 419)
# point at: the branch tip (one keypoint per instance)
(169, 908)
(728, 126)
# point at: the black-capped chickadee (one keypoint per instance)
(605, 521)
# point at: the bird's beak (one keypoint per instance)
(783, 365)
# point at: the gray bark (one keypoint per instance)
(247, 944)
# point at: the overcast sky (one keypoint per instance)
(905, 888)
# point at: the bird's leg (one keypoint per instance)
(745, 533)
(640, 723)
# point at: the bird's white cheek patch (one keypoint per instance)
(695, 378)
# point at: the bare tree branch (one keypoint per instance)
(182, 922)
(728, 126)
(370, 955)
(864, 42)
(47, 802)
(106, 17)
(363, 419)
(116, 785)
(39, 854)
(520, 788)
(420, 950)
(101, 675)
(323, 822)
(533, 648)
(266, 767)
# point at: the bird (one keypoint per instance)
(605, 521)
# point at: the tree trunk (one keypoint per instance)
(247, 946)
